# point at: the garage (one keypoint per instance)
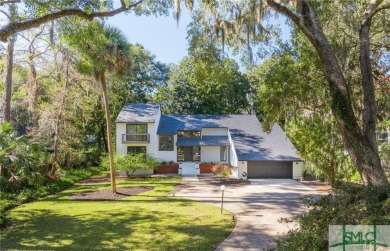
(270, 169)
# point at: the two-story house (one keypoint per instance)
(193, 139)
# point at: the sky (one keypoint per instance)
(160, 35)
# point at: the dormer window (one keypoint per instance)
(188, 134)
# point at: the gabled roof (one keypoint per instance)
(138, 113)
(250, 141)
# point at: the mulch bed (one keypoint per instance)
(106, 194)
(218, 181)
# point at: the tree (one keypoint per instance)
(107, 51)
(9, 68)
(282, 82)
(361, 144)
(234, 17)
(41, 13)
(141, 80)
(132, 162)
(37, 13)
(205, 86)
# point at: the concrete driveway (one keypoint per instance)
(257, 207)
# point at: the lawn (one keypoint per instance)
(154, 220)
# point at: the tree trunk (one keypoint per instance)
(370, 106)
(33, 91)
(57, 126)
(332, 173)
(362, 152)
(103, 84)
(9, 69)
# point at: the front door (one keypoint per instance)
(187, 153)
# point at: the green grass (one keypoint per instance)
(153, 220)
(10, 199)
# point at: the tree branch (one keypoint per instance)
(383, 7)
(14, 27)
(292, 16)
(370, 110)
(9, 2)
(372, 9)
(5, 13)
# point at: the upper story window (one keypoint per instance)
(188, 134)
(166, 143)
(136, 129)
(136, 133)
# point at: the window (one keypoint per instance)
(136, 149)
(136, 128)
(136, 132)
(223, 153)
(166, 143)
(188, 153)
(188, 134)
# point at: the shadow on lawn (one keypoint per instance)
(47, 230)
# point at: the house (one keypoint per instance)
(191, 140)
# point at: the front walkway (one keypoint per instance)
(257, 207)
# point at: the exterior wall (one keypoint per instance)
(297, 170)
(234, 171)
(120, 129)
(233, 160)
(168, 168)
(121, 148)
(210, 154)
(158, 117)
(166, 156)
(153, 140)
(206, 168)
(214, 131)
(242, 167)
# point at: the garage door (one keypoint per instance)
(270, 169)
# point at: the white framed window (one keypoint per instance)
(166, 143)
(223, 153)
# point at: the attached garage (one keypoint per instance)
(270, 169)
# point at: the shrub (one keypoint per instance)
(222, 168)
(349, 204)
(131, 162)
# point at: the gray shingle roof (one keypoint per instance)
(250, 141)
(138, 113)
(204, 141)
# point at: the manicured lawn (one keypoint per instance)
(154, 220)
